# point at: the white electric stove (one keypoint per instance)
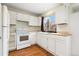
(23, 40)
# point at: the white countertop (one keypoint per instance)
(58, 34)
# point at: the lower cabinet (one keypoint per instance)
(60, 47)
(44, 42)
(51, 44)
(32, 37)
(57, 45)
(38, 41)
(63, 46)
(47, 42)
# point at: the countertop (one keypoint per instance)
(59, 34)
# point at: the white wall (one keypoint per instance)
(0, 31)
(74, 24)
(0, 47)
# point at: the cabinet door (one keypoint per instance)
(34, 21)
(22, 17)
(32, 37)
(39, 39)
(61, 47)
(44, 40)
(12, 17)
(39, 21)
(61, 15)
(51, 43)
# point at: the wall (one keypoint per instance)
(74, 23)
(0, 47)
(0, 31)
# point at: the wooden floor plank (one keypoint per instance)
(33, 50)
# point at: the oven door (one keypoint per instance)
(22, 38)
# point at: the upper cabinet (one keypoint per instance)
(32, 20)
(61, 15)
(39, 21)
(12, 17)
(35, 21)
(22, 17)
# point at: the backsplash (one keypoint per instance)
(63, 28)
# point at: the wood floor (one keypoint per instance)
(33, 50)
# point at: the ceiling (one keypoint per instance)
(36, 8)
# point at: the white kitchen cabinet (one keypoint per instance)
(61, 15)
(12, 17)
(32, 37)
(57, 45)
(38, 41)
(44, 41)
(35, 21)
(51, 43)
(63, 46)
(39, 21)
(22, 17)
